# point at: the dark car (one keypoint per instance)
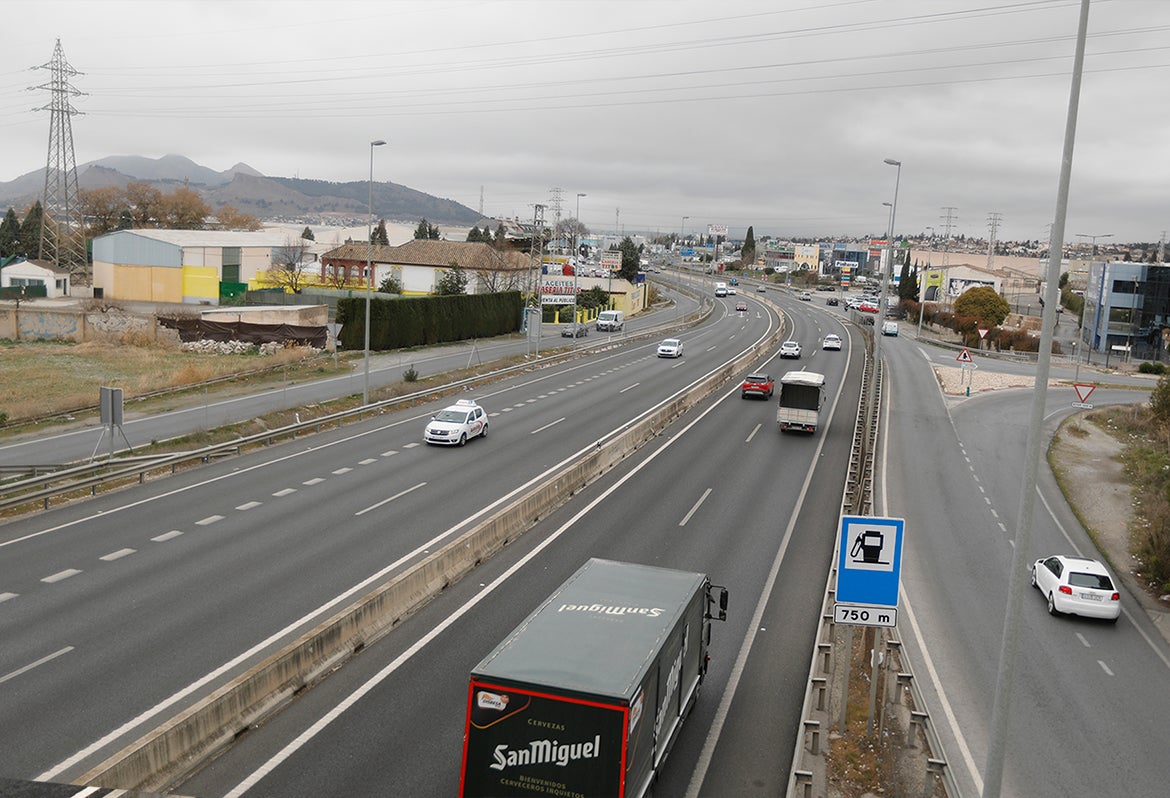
(574, 330)
(832, 301)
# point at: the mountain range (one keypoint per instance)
(249, 191)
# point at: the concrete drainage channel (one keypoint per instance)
(169, 752)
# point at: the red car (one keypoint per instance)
(757, 385)
(868, 307)
(741, 307)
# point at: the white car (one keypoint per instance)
(454, 425)
(671, 347)
(831, 342)
(790, 349)
(1078, 586)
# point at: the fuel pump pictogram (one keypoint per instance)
(868, 544)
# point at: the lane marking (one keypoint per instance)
(248, 506)
(61, 575)
(390, 499)
(630, 388)
(209, 520)
(392, 452)
(368, 460)
(695, 508)
(117, 555)
(314, 481)
(165, 536)
(1084, 642)
(6, 596)
(1104, 667)
(36, 664)
(753, 433)
(341, 471)
(284, 492)
(546, 426)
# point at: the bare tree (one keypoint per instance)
(288, 262)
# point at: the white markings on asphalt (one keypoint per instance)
(1002, 527)
(36, 664)
(1105, 667)
(368, 460)
(629, 387)
(390, 453)
(165, 536)
(248, 506)
(284, 492)
(117, 555)
(314, 481)
(1084, 642)
(506, 410)
(211, 519)
(411, 445)
(392, 498)
(6, 596)
(61, 575)
(698, 504)
(341, 471)
(753, 433)
(546, 426)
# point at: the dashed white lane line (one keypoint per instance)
(209, 520)
(630, 388)
(165, 536)
(117, 555)
(411, 445)
(61, 575)
(285, 492)
(392, 452)
(341, 471)
(1105, 667)
(249, 505)
(36, 664)
(368, 460)
(695, 508)
(6, 596)
(314, 481)
(1084, 642)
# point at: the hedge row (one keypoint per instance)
(424, 321)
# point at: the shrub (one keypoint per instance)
(1152, 368)
(410, 375)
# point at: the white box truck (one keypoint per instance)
(801, 395)
(586, 696)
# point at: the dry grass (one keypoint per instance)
(43, 378)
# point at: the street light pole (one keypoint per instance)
(369, 273)
(877, 339)
(576, 264)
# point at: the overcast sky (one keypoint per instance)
(777, 114)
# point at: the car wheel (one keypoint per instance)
(463, 439)
(483, 432)
(1033, 577)
(1051, 606)
(743, 395)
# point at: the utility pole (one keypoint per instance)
(556, 192)
(62, 236)
(949, 219)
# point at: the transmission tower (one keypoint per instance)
(62, 238)
(948, 222)
(993, 220)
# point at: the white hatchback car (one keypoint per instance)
(671, 347)
(454, 425)
(831, 341)
(790, 349)
(1077, 585)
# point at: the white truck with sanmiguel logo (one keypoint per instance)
(586, 696)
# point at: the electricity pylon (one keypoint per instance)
(62, 236)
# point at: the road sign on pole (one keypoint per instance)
(964, 356)
(869, 566)
(1084, 391)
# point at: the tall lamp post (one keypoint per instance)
(369, 273)
(877, 338)
(576, 263)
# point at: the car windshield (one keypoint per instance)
(1095, 581)
(670, 342)
(454, 416)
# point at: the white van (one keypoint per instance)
(610, 320)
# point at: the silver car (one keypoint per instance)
(671, 347)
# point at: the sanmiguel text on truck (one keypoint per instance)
(586, 695)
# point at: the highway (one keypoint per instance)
(1089, 696)
(133, 604)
